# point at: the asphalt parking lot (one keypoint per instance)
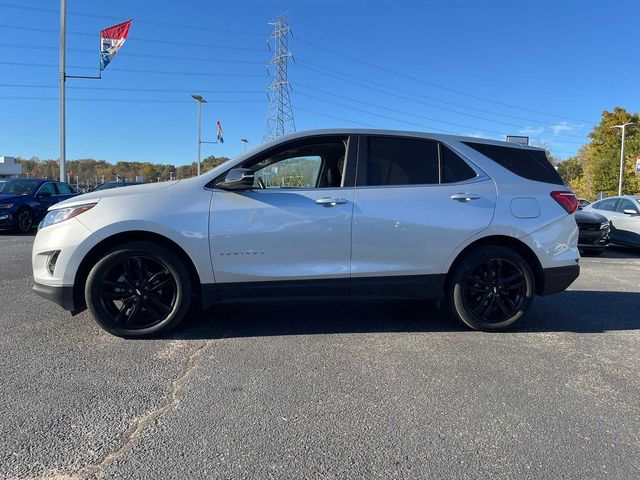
(367, 390)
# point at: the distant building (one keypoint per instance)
(9, 167)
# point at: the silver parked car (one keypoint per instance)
(483, 225)
(623, 214)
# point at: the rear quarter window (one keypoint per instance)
(529, 164)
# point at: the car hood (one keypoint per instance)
(589, 217)
(115, 192)
(8, 197)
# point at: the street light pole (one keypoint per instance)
(63, 41)
(200, 100)
(245, 141)
(623, 128)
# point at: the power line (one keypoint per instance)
(119, 100)
(128, 54)
(116, 69)
(155, 41)
(368, 112)
(435, 85)
(143, 22)
(411, 114)
(313, 112)
(125, 89)
(367, 84)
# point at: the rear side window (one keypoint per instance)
(453, 168)
(401, 161)
(529, 164)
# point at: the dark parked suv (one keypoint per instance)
(24, 201)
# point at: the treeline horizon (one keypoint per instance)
(89, 171)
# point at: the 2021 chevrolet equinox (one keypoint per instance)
(481, 225)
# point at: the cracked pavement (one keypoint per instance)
(320, 390)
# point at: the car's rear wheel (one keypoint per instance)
(491, 288)
(138, 289)
(24, 220)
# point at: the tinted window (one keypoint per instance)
(64, 189)
(401, 161)
(625, 204)
(47, 187)
(608, 204)
(529, 164)
(453, 168)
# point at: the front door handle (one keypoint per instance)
(465, 197)
(330, 201)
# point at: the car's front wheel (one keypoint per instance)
(138, 289)
(24, 220)
(491, 288)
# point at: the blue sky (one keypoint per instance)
(487, 68)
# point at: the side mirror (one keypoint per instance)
(629, 211)
(238, 179)
(44, 194)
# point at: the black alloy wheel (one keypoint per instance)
(24, 220)
(492, 288)
(139, 289)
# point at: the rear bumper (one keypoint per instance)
(557, 279)
(62, 295)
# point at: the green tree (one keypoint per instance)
(601, 171)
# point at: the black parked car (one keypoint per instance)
(594, 232)
(24, 201)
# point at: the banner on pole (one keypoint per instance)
(220, 138)
(638, 165)
(111, 40)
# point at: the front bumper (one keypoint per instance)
(60, 294)
(557, 279)
(7, 220)
(593, 236)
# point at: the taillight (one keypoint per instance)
(567, 200)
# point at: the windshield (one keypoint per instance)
(17, 187)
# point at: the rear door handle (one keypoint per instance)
(330, 201)
(465, 197)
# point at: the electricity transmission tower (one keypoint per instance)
(280, 115)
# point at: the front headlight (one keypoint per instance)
(6, 205)
(604, 225)
(61, 214)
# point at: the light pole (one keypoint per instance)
(63, 78)
(245, 141)
(200, 100)
(623, 128)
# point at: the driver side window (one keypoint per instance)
(294, 172)
(320, 164)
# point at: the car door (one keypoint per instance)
(625, 225)
(416, 200)
(44, 197)
(293, 235)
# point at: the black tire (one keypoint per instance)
(491, 288)
(137, 290)
(592, 252)
(24, 220)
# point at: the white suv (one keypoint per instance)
(482, 225)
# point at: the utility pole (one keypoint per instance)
(622, 127)
(63, 78)
(280, 115)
